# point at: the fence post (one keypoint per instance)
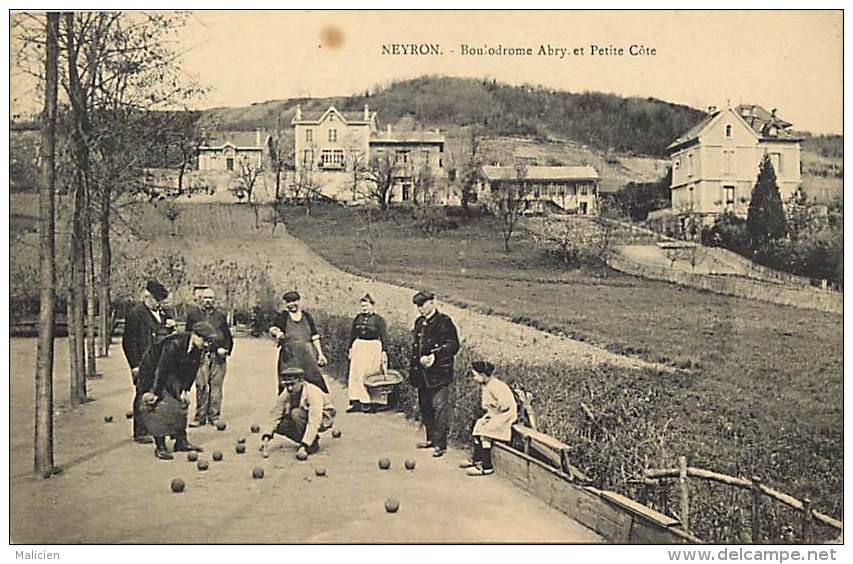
(756, 510)
(684, 492)
(526, 444)
(807, 521)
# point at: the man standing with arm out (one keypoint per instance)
(211, 371)
(436, 342)
(145, 325)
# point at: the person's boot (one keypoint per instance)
(315, 446)
(160, 450)
(198, 422)
(183, 445)
(354, 407)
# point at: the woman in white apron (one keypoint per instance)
(367, 352)
(498, 402)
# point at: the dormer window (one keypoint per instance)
(333, 135)
(728, 131)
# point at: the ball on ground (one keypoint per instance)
(384, 464)
(258, 473)
(220, 425)
(336, 433)
(203, 465)
(241, 439)
(256, 428)
(129, 415)
(217, 456)
(108, 418)
(410, 464)
(192, 456)
(392, 505)
(240, 448)
(301, 455)
(320, 471)
(178, 485)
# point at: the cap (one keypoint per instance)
(157, 290)
(205, 329)
(423, 297)
(483, 367)
(291, 296)
(207, 291)
(367, 298)
(291, 373)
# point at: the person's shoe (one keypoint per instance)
(186, 446)
(480, 471)
(163, 454)
(425, 444)
(315, 446)
(367, 408)
(197, 423)
(439, 452)
(143, 439)
(355, 407)
(470, 463)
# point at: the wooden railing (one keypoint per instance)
(682, 473)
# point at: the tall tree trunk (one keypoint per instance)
(89, 261)
(105, 329)
(77, 256)
(43, 439)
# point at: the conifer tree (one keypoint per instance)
(765, 219)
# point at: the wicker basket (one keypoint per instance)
(380, 384)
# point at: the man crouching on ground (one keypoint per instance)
(302, 411)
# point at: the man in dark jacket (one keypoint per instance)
(436, 342)
(167, 373)
(146, 324)
(211, 371)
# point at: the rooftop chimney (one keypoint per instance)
(389, 128)
(298, 115)
(366, 113)
(773, 112)
(712, 109)
(257, 137)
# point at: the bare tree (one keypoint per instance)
(508, 200)
(368, 235)
(43, 440)
(247, 181)
(471, 173)
(281, 154)
(423, 185)
(380, 174)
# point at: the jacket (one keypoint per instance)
(312, 400)
(436, 335)
(215, 318)
(141, 330)
(168, 367)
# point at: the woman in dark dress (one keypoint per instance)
(367, 352)
(298, 342)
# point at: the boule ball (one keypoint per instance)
(220, 425)
(217, 456)
(192, 456)
(203, 465)
(320, 472)
(108, 418)
(256, 428)
(301, 455)
(129, 414)
(392, 505)
(241, 439)
(384, 464)
(240, 448)
(336, 433)
(258, 473)
(410, 464)
(178, 485)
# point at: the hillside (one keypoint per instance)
(605, 122)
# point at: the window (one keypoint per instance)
(425, 157)
(309, 135)
(229, 164)
(729, 131)
(406, 188)
(729, 162)
(307, 157)
(690, 164)
(402, 157)
(729, 198)
(332, 158)
(333, 135)
(676, 164)
(776, 159)
(584, 189)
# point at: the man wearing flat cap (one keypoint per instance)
(301, 412)
(435, 345)
(298, 342)
(146, 324)
(167, 373)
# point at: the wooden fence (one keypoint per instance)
(682, 473)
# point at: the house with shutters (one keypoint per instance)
(561, 189)
(228, 150)
(715, 164)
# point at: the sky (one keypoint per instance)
(789, 60)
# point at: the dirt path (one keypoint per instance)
(114, 491)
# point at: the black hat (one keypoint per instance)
(423, 297)
(367, 298)
(483, 367)
(291, 373)
(291, 296)
(157, 290)
(205, 329)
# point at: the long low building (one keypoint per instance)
(572, 189)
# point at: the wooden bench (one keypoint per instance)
(555, 451)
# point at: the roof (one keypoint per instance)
(542, 173)
(241, 139)
(693, 133)
(349, 116)
(755, 117)
(406, 137)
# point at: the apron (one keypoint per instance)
(296, 350)
(366, 359)
(499, 403)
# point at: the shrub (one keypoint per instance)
(729, 232)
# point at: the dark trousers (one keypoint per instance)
(138, 425)
(434, 404)
(208, 388)
(293, 424)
